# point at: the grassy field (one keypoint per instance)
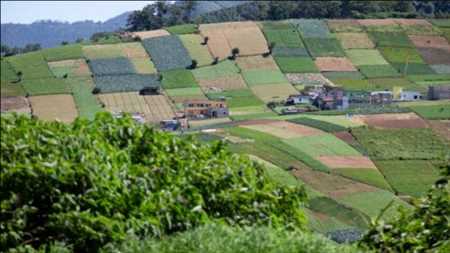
(196, 50)
(325, 144)
(30, 65)
(45, 86)
(368, 176)
(63, 53)
(394, 144)
(237, 98)
(86, 103)
(378, 71)
(179, 78)
(390, 39)
(401, 55)
(182, 29)
(360, 57)
(322, 125)
(321, 47)
(257, 77)
(410, 177)
(222, 69)
(7, 71)
(340, 120)
(296, 64)
(11, 89)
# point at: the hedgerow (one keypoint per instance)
(94, 182)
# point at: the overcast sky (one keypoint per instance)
(26, 12)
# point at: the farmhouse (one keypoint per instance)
(381, 97)
(410, 95)
(202, 108)
(439, 92)
(298, 99)
(331, 98)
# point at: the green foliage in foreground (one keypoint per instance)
(214, 238)
(426, 229)
(90, 183)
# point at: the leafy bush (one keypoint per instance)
(122, 83)
(114, 66)
(167, 52)
(425, 229)
(94, 182)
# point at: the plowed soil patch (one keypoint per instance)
(405, 120)
(336, 162)
(355, 40)
(151, 34)
(429, 41)
(376, 22)
(257, 62)
(435, 56)
(300, 129)
(331, 185)
(404, 21)
(54, 107)
(441, 127)
(334, 64)
(224, 83)
(15, 104)
(345, 136)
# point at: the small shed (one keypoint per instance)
(381, 97)
(439, 92)
(410, 95)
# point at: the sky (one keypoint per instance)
(26, 12)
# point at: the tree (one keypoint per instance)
(234, 53)
(64, 43)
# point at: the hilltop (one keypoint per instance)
(360, 134)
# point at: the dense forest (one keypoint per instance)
(163, 13)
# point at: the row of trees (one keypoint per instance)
(163, 14)
(8, 51)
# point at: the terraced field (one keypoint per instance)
(352, 163)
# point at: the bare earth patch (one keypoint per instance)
(331, 185)
(393, 120)
(429, 41)
(435, 56)
(151, 34)
(224, 83)
(282, 129)
(355, 40)
(345, 136)
(441, 127)
(15, 104)
(405, 21)
(337, 162)
(257, 62)
(334, 64)
(54, 107)
(377, 22)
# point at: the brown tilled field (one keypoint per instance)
(150, 34)
(15, 104)
(154, 108)
(393, 120)
(225, 83)
(331, 185)
(434, 56)
(54, 107)
(257, 62)
(345, 136)
(308, 79)
(225, 36)
(377, 22)
(441, 127)
(424, 41)
(336, 162)
(344, 25)
(355, 40)
(282, 129)
(405, 21)
(334, 64)
(273, 92)
(78, 67)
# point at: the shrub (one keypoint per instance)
(94, 182)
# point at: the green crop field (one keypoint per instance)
(279, 175)
(321, 47)
(63, 53)
(394, 144)
(325, 144)
(378, 71)
(196, 50)
(368, 176)
(7, 72)
(410, 177)
(413, 68)
(353, 75)
(322, 125)
(31, 65)
(180, 78)
(401, 55)
(112, 66)
(11, 89)
(372, 203)
(432, 111)
(287, 36)
(124, 83)
(360, 57)
(256, 77)
(167, 52)
(237, 98)
(182, 29)
(222, 69)
(390, 39)
(296, 65)
(192, 91)
(86, 103)
(354, 85)
(311, 28)
(45, 86)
